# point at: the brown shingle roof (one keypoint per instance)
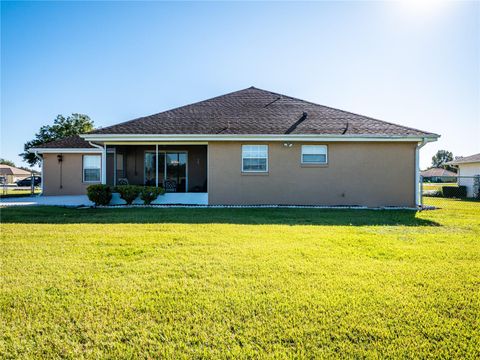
(11, 170)
(67, 143)
(466, 159)
(248, 112)
(437, 172)
(256, 111)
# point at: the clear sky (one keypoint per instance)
(414, 63)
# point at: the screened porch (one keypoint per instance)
(176, 168)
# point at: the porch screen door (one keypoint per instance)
(150, 162)
(171, 166)
(177, 169)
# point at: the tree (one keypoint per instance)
(440, 158)
(61, 128)
(6, 162)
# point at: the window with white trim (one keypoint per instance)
(254, 158)
(92, 168)
(314, 154)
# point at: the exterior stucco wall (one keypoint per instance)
(63, 178)
(71, 169)
(468, 169)
(370, 174)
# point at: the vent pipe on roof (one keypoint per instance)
(271, 102)
(298, 122)
(224, 129)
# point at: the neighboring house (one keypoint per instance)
(439, 175)
(468, 167)
(244, 148)
(13, 174)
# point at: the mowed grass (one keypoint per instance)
(240, 283)
(14, 192)
(437, 186)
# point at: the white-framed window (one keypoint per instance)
(92, 168)
(314, 154)
(254, 158)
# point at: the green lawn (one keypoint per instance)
(15, 192)
(437, 186)
(240, 283)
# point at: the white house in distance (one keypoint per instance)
(468, 167)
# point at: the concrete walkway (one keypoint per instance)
(71, 200)
(82, 200)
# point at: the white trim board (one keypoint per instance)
(148, 139)
(250, 137)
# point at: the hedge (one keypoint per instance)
(150, 193)
(454, 191)
(99, 194)
(128, 192)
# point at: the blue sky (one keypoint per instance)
(403, 62)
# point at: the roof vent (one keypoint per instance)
(271, 102)
(298, 122)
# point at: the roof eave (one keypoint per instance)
(455, 163)
(259, 137)
(64, 150)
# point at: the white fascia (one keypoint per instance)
(252, 137)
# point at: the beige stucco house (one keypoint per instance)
(249, 147)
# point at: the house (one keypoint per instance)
(247, 147)
(439, 175)
(13, 174)
(468, 168)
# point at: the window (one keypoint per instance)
(254, 158)
(91, 168)
(314, 154)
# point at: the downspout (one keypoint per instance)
(41, 169)
(418, 194)
(104, 160)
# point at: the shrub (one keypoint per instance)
(454, 191)
(128, 192)
(100, 194)
(150, 193)
(433, 193)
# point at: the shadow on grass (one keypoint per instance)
(6, 196)
(278, 216)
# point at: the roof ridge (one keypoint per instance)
(344, 111)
